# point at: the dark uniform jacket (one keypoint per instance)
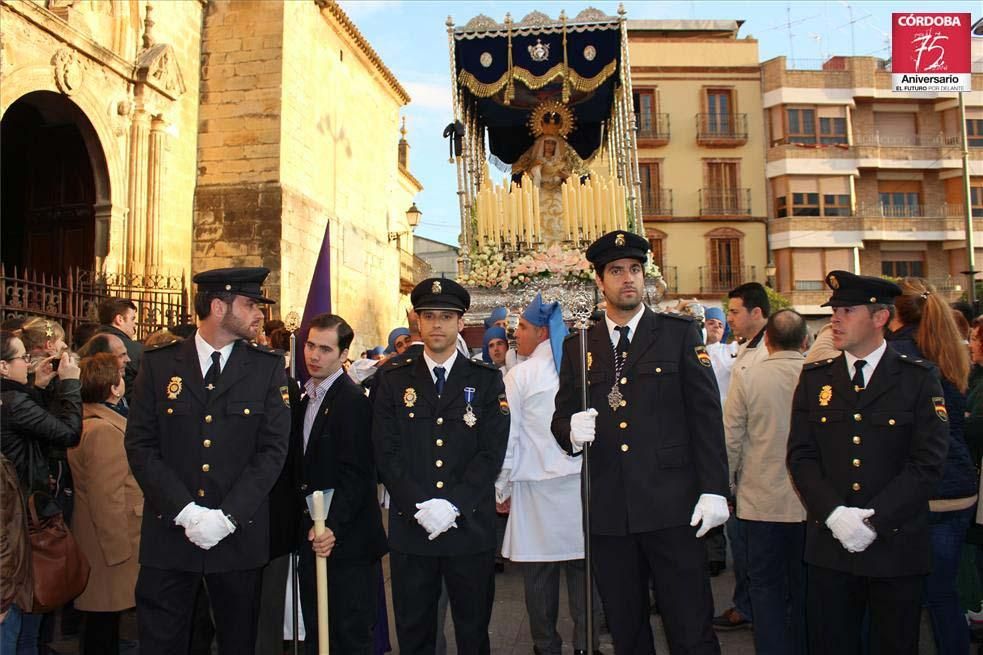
(883, 451)
(222, 452)
(424, 449)
(339, 456)
(654, 456)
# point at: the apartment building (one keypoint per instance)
(701, 147)
(864, 179)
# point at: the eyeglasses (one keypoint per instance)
(26, 357)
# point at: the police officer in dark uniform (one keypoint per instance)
(440, 430)
(866, 448)
(206, 439)
(658, 465)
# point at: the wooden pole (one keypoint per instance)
(321, 571)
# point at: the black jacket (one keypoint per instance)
(223, 450)
(655, 455)
(884, 451)
(424, 449)
(28, 430)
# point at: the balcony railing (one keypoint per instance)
(879, 140)
(718, 279)
(657, 202)
(653, 129)
(721, 129)
(725, 202)
(412, 271)
(670, 275)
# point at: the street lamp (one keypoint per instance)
(413, 218)
(770, 271)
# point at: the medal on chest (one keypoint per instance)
(825, 395)
(469, 417)
(615, 397)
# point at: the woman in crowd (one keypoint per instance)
(43, 337)
(28, 430)
(974, 440)
(923, 327)
(108, 507)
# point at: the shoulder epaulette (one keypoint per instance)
(397, 362)
(266, 350)
(482, 364)
(822, 362)
(678, 317)
(161, 346)
(917, 361)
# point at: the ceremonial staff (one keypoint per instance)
(292, 324)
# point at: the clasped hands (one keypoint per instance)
(849, 526)
(436, 516)
(204, 527)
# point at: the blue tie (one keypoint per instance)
(439, 372)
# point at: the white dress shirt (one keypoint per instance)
(873, 359)
(632, 324)
(315, 396)
(205, 351)
(447, 364)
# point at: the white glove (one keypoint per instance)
(847, 524)
(582, 429)
(190, 514)
(712, 510)
(210, 529)
(503, 487)
(436, 516)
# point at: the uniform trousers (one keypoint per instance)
(416, 582)
(353, 596)
(838, 601)
(165, 604)
(677, 564)
(542, 587)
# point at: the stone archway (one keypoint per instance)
(56, 183)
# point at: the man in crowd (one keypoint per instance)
(118, 316)
(440, 431)
(658, 464)
(868, 441)
(747, 314)
(499, 317)
(756, 421)
(206, 439)
(399, 340)
(334, 419)
(494, 346)
(542, 485)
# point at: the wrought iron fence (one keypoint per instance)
(161, 300)
(725, 202)
(657, 202)
(717, 279)
(653, 127)
(721, 127)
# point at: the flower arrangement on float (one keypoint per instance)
(490, 267)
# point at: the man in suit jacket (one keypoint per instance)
(867, 446)
(206, 439)
(440, 430)
(335, 421)
(658, 466)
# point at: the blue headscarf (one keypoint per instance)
(395, 334)
(497, 314)
(491, 334)
(548, 315)
(378, 350)
(715, 312)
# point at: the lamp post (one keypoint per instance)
(413, 215)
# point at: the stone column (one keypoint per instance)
(155, 153)
(136, 225)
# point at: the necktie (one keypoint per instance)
(211, 376)
(858, 375)
(622, 349)
(439, 371)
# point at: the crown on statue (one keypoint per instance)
(551, 117)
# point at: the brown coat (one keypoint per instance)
(15, 549)
(108, 511)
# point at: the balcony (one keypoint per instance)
(670, 275)
(725, 202)
(720, 279)
(653, 130)
(412, 271)
(656, 202)
(721, 130)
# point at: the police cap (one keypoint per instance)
(246, 282)
(439, 294)
(850, 289)
(620, 244)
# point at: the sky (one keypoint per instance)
(411, 38)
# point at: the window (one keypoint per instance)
(805, 204)
(802, 126)
(974, 132)
(652, 196)
(908, 268)
(900, 204)
(658, 252)
(645, 109)
(836, 204)
(976, 201)
(725, 263)
(720, 108)
(832, 130)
